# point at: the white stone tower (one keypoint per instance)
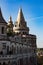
(20, 25)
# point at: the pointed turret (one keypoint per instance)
(0, 12)
(20, 16)
(1, 18)
(3, 24)
(10, 25)
(10, 19)
(20, 24)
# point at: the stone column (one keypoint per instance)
(18, 62)
(24, 61)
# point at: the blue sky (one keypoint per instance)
(33, 13)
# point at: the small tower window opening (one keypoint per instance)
(19, 25)
(2, 30)
(15, 25)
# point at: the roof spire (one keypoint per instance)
(20, 24)
(2, 20)
(10, 21)
(20, 16)
(10, 18)
(0, 12)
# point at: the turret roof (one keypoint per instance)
(1, 18)
(10, 21)
(20, 16)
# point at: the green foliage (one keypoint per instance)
(9, 32)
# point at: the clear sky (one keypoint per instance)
(33, 13)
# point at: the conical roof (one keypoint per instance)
(0, 13)
(10, 19)
(20, 25)
(10, 23)
(20, 16)
(1, 18)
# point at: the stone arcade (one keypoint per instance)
(17, 46)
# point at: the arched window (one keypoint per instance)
(0, 63)
(2, 30)
(15, 25)
(7, 49)
(4, 63)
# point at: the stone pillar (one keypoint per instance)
(18, 62)
(21, 61)
(27, 61)
(24, 61)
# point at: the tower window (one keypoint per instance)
(2, 30)
(19, 25)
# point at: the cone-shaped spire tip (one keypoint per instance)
(10, 18)
(10, 21)
(20, 9)
(0, 8)
(20, 16)
(0, 12)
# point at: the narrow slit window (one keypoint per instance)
(2, 30)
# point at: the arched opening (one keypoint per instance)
(0, 63)
(8, 62)
(2, 30)
(27, 62)
(15, 50)
(7, 49)
(21, 61)
(1, 52)
(4, 63)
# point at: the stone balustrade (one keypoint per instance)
(14, 56)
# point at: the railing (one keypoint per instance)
(14, 56)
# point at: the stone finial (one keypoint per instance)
(10, 19)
